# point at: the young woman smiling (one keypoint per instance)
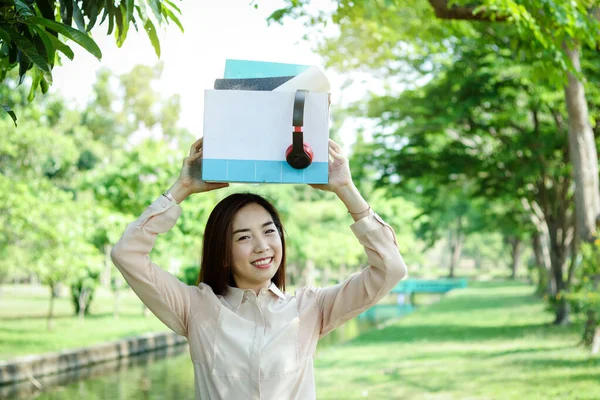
(248, 338)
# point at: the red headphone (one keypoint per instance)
(298, 155)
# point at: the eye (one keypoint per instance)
(270, 231)
(243, 238)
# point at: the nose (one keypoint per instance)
(261, 246)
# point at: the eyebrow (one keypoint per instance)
(248, 230)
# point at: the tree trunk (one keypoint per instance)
(82, 300)
(51, 308)
(541, 266)
(456, 253)
(582, 151)
(589, 329)
(591, 332)
(596, 341)
(478, 262)
(456, 244)
(558, 249)
(516, 247)
(562, 313)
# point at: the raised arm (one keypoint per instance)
(342, 302)
(167, 297)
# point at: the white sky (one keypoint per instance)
(214, 32)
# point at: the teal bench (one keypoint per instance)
(410, 287)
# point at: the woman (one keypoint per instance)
(249, 339)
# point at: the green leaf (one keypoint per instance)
(44, 85)
(24, 66)
(11, 113)
(170, 15)
(151, 30)
(47, 41)
(92, 17)
(78, 17)
(109, 10)
(125, 27)
(4, 36)
(78, 37)
(28, 48)
(23, 9)
(46, 8)
(36, 78)
(63, 48)
(104, 15)
(119, 20)
(66, 11)
(142, 11)
(156, 9)
(278, 15)
(130, 8)
(169, 2)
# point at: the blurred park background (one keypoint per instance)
(471, 128)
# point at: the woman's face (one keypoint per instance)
(256, 248)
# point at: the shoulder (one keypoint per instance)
(204, 292)
(305, 294)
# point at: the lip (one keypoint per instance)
(263, 266)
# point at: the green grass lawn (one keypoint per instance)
(23, 327)
(490, 341)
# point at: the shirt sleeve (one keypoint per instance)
(166, 296)
(344, 301)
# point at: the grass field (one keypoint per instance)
(490, 341)
(23, 327)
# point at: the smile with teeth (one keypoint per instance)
(262, 262)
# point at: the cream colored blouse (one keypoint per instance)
(245, 346)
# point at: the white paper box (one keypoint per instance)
(246, 134)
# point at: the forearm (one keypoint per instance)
(354, 202)
(179, 191)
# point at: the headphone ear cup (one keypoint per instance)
(308, 152)
(301, 160)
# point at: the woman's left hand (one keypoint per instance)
(339, 170)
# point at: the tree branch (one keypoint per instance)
(440, 7)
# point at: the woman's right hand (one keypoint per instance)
(190, 178)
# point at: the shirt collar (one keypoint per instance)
(235, 295)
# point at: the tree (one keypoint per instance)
(556, 25)
(31, 32)
(60, 150)
(584, 296)
(478, 122)
(45, 233)
(406, 38)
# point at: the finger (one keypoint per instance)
(196, 156)
(336, 155)
(335, 146)
(213, 186)
(196, 146)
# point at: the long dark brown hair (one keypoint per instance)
(216, 261)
